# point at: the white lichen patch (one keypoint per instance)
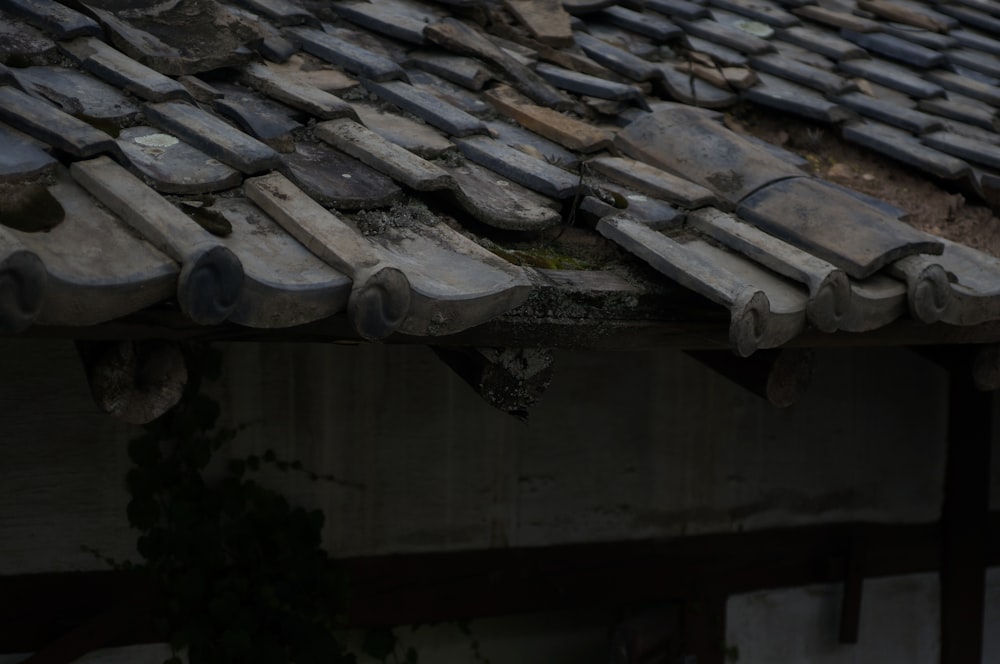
(156, 140)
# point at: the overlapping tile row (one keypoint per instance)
(273, 162)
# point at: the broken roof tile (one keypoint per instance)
(350, 57)
(515, 165)
(213, 136)
(118, 69)
(901, 145)
(338, 181)
(570, 133)
(429, 108)
(46, 122)
(53, 17)
(856, 237)
(398, 163)
(174, 167)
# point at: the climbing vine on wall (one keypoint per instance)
(240, 572)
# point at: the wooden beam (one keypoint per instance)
(779, 376)
(965, 519)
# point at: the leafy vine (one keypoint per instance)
(240, 573)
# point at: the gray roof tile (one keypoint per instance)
(963, 109)
(336, 180)
(680, 9)
(21, 159)
(344, 54)
(78, 94)
(734, 38)
(429, 108)
(834, 226)
(903, 146)
(904, 118)
(651, 25)
(823, 43)
(53, 17)
(797, 72)
(964, 147)
(46, 122)
(174, 167)
(787, 96)
(892, 76)
(895, 48)
(118, 69)
(759, 10)
(533, 173)
(213, 136)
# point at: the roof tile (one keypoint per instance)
(174, 167)
(398, 163)
(349, 56)
(515, 165)
(336, 180)
(53, 17)
(213, 136)
(429, 108)
(571, 133)
(903, 146)
(118, 69)
(46, 122)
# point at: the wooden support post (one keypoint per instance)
(781, 376)
(965, 521)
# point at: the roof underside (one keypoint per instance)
(502, 173)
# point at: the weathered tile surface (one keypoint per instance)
(213, 136)
(514, 115)
(172, 165)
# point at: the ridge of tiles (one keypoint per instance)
(510, 112)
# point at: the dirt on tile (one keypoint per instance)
(932, 207)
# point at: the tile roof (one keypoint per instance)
(276, 162)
